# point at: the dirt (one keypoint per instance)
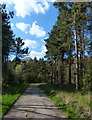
(33, 103)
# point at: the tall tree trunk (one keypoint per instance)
(1, 57)
(59, 73)
(62, 72)
(76, 57)
(81, 55)
(52, 75)
(69, 64)
(55, 72)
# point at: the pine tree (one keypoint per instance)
(18, 48)
(7, 33)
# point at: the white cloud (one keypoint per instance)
(6, 1)
(44, 49)
(36, 54)
(37, 30)
(26, 7)
(22, 26)
(41, 54)
(29, 6)
(30, 43)
(12, 25)
(47, 0)
(33, 30)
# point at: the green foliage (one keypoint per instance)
(34, 71)
(86, 81)
(9, 74)
(18, 48)
(18, 73)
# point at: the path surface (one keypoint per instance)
(33, 103)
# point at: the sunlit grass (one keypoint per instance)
(72, 102)
(10, 95)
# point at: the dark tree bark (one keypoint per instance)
(69, 64)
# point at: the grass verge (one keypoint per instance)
(10, 95)
(74, 103)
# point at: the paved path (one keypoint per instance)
(33, 103)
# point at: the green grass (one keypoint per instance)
(73, 103)
(10, 95)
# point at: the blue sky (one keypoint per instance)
(32, 22)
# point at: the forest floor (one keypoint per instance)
(33, 103)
